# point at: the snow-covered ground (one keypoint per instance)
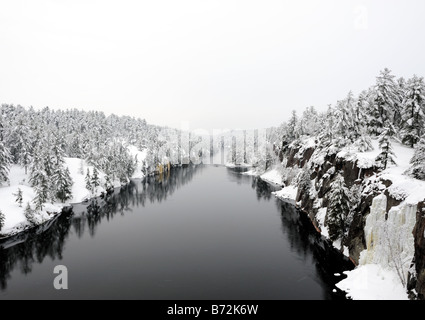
(272, 176)
(242, 165)
(372, 282)
(139, 156)
(287, 193)
(15, 220)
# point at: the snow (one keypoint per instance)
(320, 217)
(389, 253)
(389, 240)
(308, 143)
(140, 156)
(241, 165)
(367, 159)
(318, 158)
(287, 193)
(15, 220)
(384, 265)
(372, 282)
(14, 215)
(411, 189)
(272, 176)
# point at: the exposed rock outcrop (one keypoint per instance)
(369, 185)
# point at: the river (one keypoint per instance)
(203, 232)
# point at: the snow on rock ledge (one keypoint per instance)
(372, 282)
(272, 176)
(390, 249)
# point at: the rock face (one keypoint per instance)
(419, 235)
(369, 186)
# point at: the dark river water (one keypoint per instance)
(202, 232)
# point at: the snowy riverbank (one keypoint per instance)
(15, 220)
(377, 276)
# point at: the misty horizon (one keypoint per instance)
(215, 65)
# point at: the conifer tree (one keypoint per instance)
(304, 181)
(338, 209)
(385, 102)
(5, 162)
(39, 178)
(20, 142)
(292, 126)
(63, 183)
(95, 179)
(326, 136)
(345, 123)
(41, 193)
(29, 214)
(18, 196)
(88, 181)
(387, 155)
(2, 219)
(413, 111)
(417, 162)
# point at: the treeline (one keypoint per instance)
(391, 110)
(39, 140)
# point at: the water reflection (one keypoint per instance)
(25, 249)
(307, 242)
(303, 238)
(263, 189)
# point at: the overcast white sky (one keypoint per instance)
(215, 64)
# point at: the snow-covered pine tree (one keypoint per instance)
(363, 143)
(29, 214)
(385, 102)
(20, 142)
(417, 169)
(326, 136)
(346, 128)
(401, 91)
(88, 181)
(387, 155)
(57, 152)
(2, 219)
(359, 108)
(413, 111)
(95, 182)
(42, 192)
(362, 139)
(5, 162)
(338, 208)
(18, 196)
(39, 177)
(5, 156)
(310, 124)
(63, 183)
(304, 180)
(292, 126)
(74, 146)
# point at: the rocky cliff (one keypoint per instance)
(394, 234)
